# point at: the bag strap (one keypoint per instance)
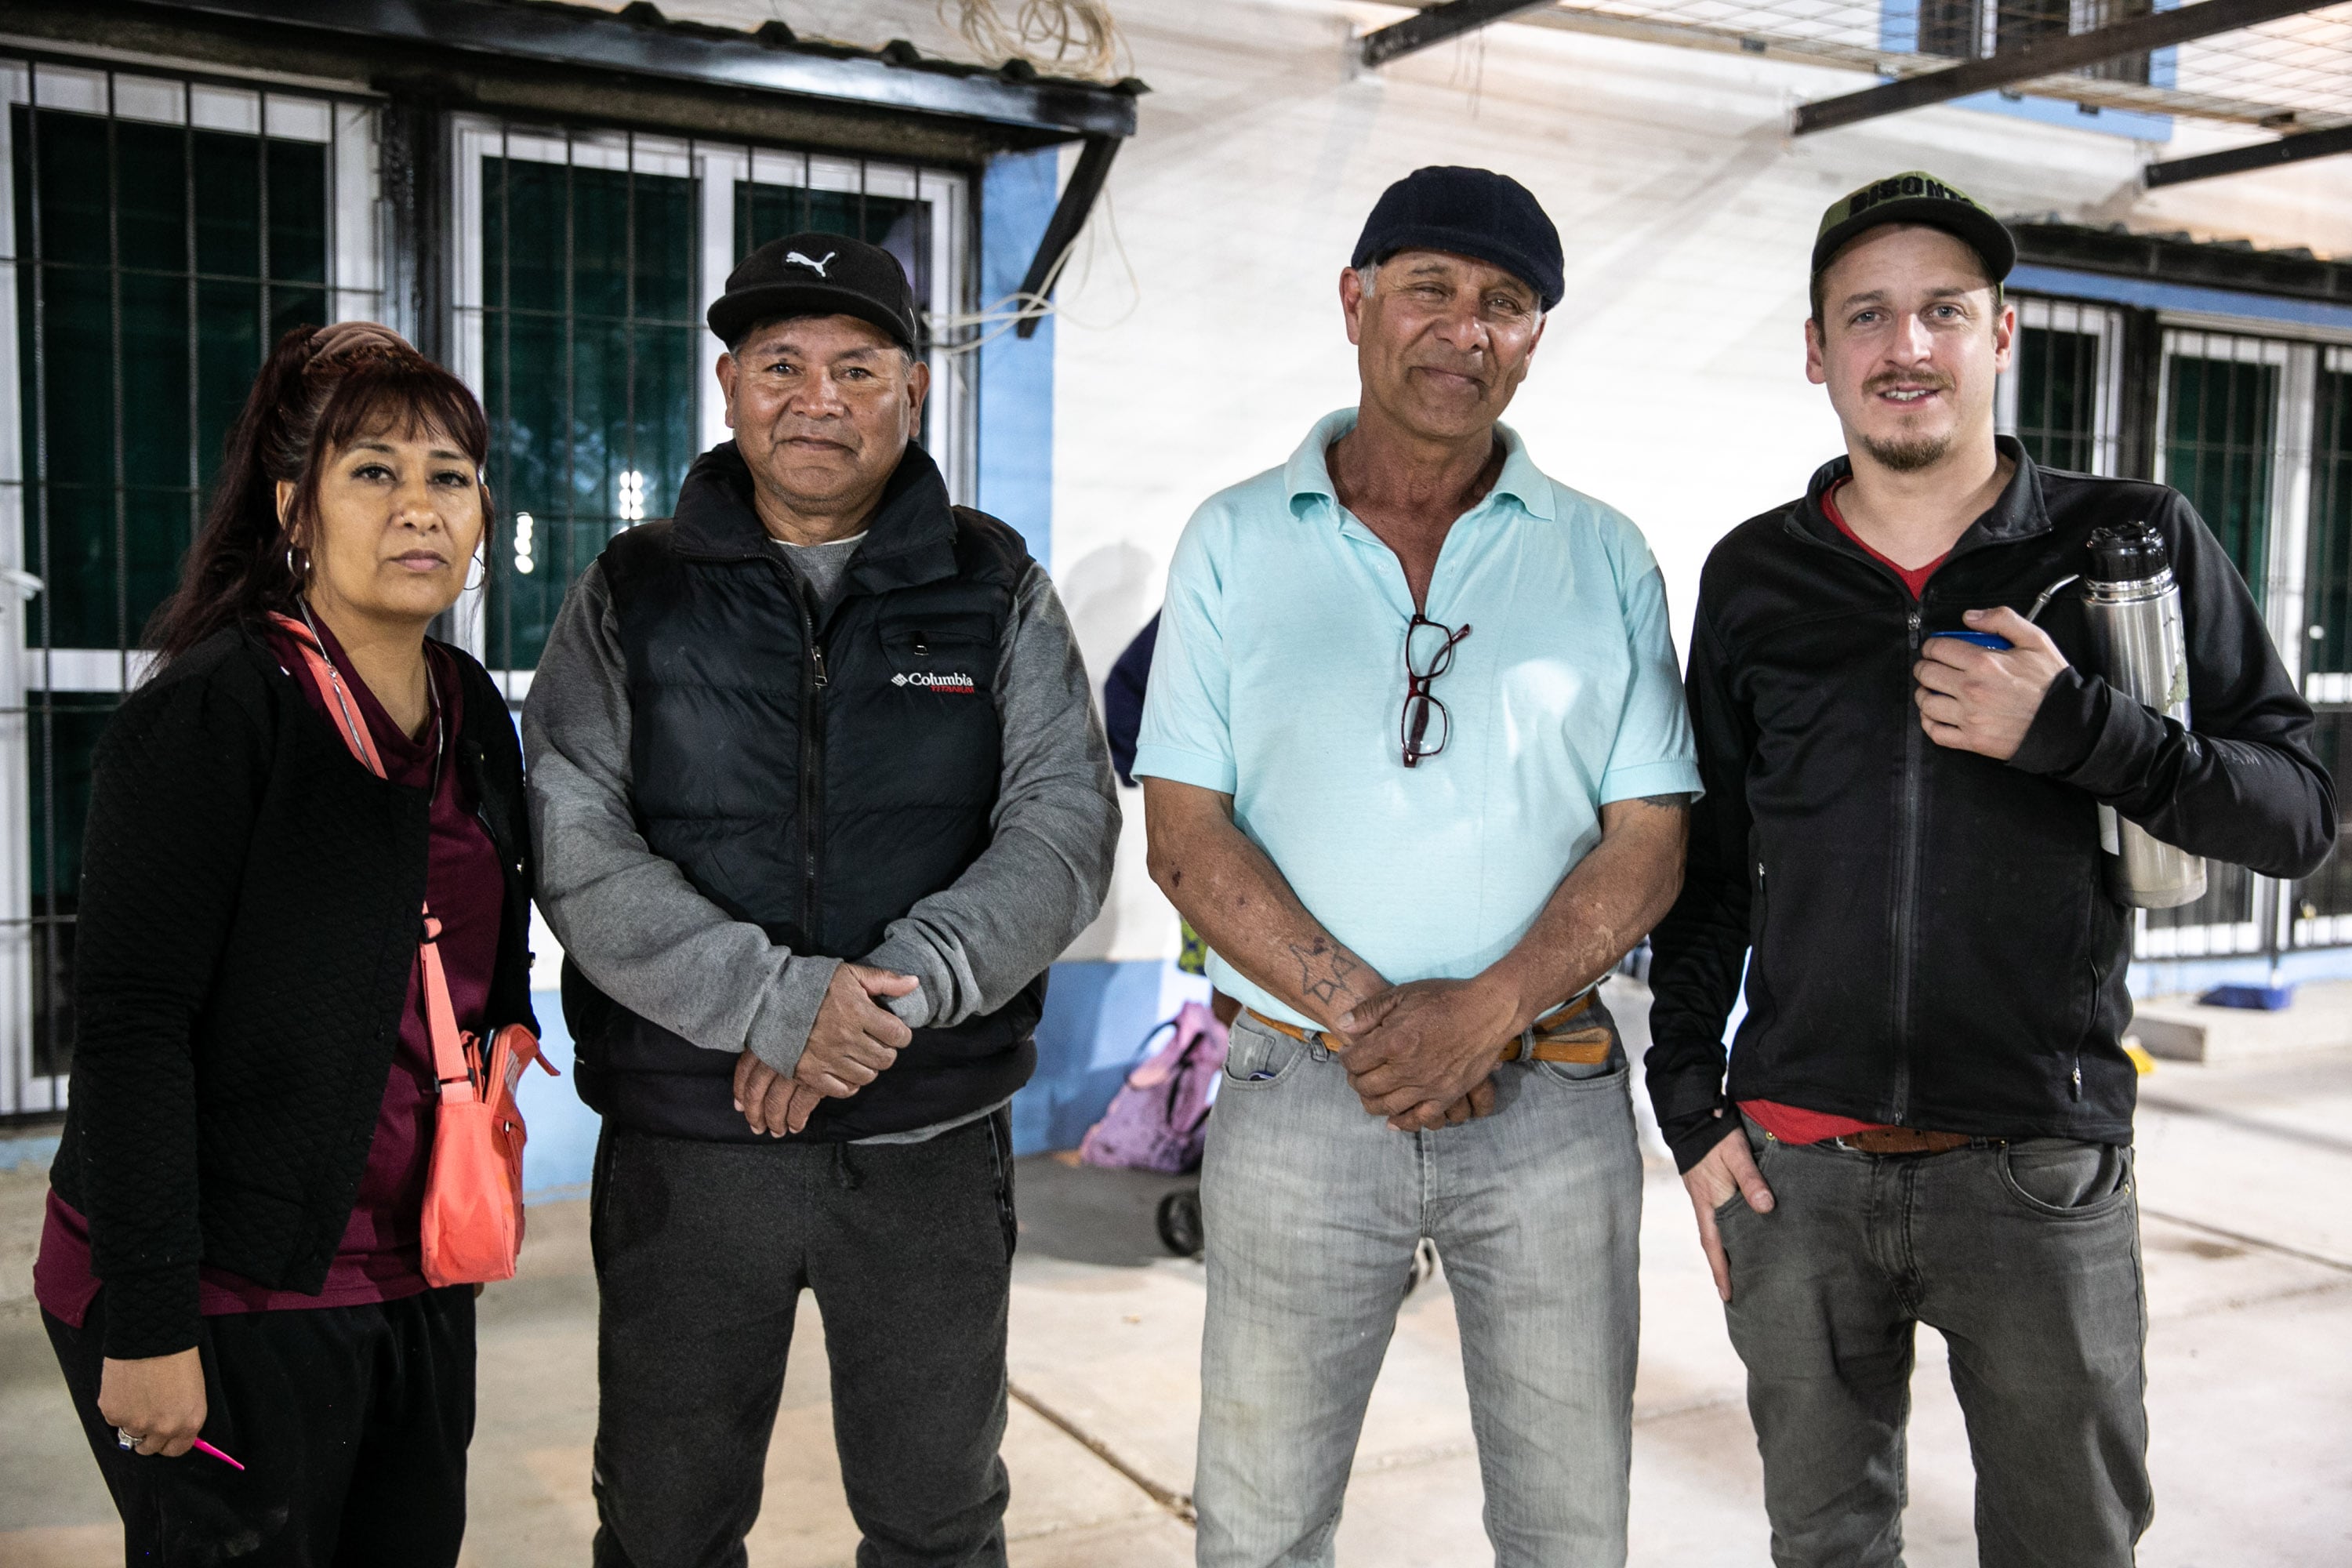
(344, 709)
(451, 1059)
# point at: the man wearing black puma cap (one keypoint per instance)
(1928, 1112)
(819, 793)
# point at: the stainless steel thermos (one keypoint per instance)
(2143, 648)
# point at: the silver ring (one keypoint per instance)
(125, 1439)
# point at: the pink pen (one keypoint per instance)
(204, 1447)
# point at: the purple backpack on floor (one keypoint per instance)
(1159, 1119)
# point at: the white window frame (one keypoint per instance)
(2104, 325)
(2333, 688)
(2286, 553)
(355, 261)
(717, 166)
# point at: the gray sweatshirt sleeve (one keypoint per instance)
(1042, 879)
(629, 917)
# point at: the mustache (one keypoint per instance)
(1476, 367)
(1926, 380)
(839, 434)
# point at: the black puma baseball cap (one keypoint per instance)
(816, 275)
(1915, 196)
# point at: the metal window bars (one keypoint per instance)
(2063, 394)
(156, 227)
(546, 310)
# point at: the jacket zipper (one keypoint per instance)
(813, 685)
(1906, 885)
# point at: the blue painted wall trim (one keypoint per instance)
(1016, 376)
(1098, 1018)
(2154, 296)
(562, 1150)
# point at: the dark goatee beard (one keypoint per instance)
(1908, 455)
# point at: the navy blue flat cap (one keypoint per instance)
(1476, 213)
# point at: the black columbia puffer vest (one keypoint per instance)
(813, 776)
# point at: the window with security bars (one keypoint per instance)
(2327, 602)
(1973, 29)
(157, 232)
(585, 262)
(2063, 391)
(2324, 900)
(2218, 437)
(2222, 420)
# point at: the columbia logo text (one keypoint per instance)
(954, 681)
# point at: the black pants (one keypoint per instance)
(702, 1251)
(352, 1423)
(2025, 1256)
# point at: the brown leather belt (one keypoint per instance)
(1588, 1046)
(1903, 1141)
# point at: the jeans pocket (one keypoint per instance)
(1258, 1058)
(1587, 1074)
(2062, 1179)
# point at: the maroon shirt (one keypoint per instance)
(379, 1256)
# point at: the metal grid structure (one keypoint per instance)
(158, 229)
(2290, 74)
(595, 252)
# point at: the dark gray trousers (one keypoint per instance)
(2025, 1256)
(702, 1251)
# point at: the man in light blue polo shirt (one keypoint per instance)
(1416, 765)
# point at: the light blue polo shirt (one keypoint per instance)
(1280, 679)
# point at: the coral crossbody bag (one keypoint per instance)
(473, 1188)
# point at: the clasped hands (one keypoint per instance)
(1422, 1055)
(854, 1041)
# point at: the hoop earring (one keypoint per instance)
(296, 570)
(481, 560)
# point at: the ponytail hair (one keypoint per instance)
(320, 389)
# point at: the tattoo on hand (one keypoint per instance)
(1326, 988)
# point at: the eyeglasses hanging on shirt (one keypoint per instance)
(1428, 654)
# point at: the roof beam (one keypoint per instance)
(1062, 230)
(2261, 155)
(1439, 22)
(2043, 57)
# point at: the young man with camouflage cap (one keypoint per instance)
(1928, 1115)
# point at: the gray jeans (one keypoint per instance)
(2025, 1256)
(1312, 1210)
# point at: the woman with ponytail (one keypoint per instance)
(232, 1250)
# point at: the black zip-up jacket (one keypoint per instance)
(248, 926)
(1933, 945)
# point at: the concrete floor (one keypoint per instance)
(2249, 1256)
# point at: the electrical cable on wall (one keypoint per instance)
(1006, 313)
(1073, 37)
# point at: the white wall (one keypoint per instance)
(1670, 381)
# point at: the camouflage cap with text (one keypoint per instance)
(1915, 197)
